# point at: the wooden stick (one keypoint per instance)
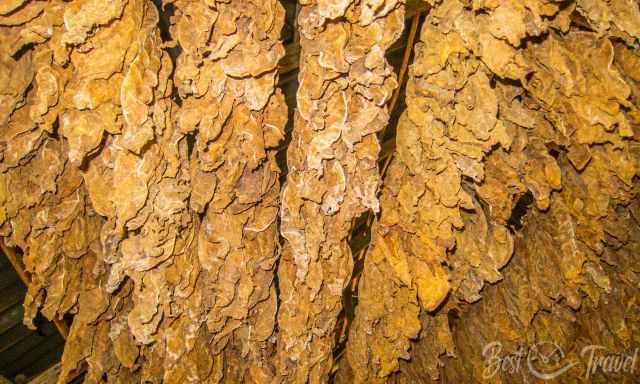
(405, 60)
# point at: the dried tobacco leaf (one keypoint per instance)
(97, 186)
(106, 88)
(575, 296)
(154, 224)
(344, 84)
(479, 138)
(226, 75)
(46, 209)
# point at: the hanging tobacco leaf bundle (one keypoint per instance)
(501, 121)
(139, 181)
(344, 84)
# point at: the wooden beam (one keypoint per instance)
(50, 376)
(17, 264)
(11, 255)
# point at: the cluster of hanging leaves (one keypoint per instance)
(511, 107)
(345, 83)
(153, 224)
(138, 178)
